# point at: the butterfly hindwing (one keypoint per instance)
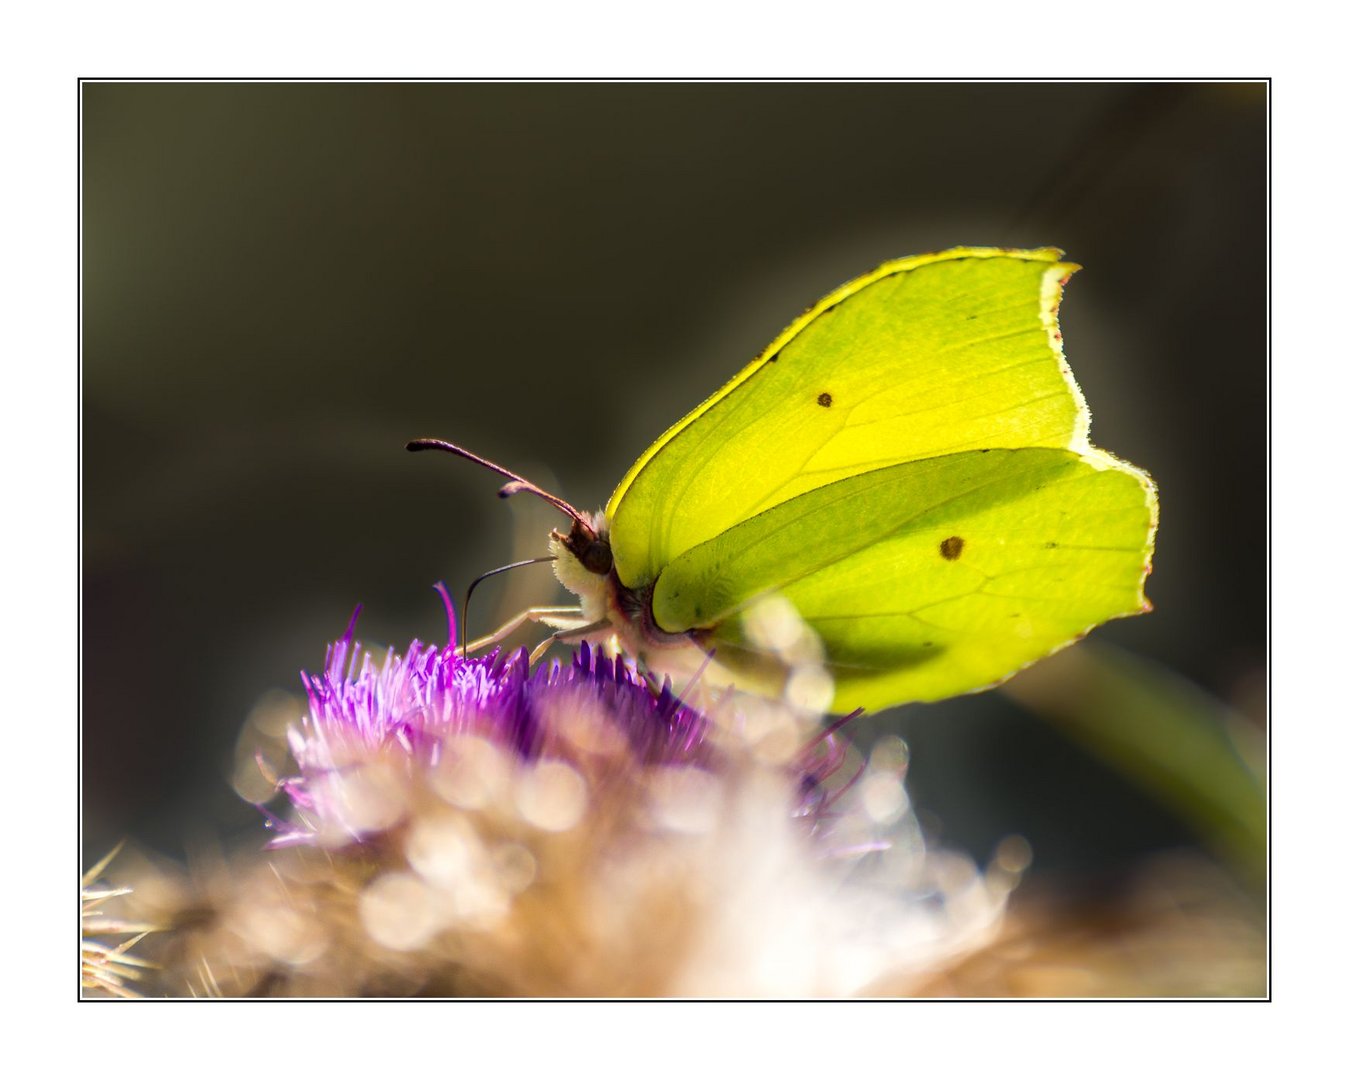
(930, 578)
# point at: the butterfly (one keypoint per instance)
(905, 469)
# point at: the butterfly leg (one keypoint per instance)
(558, 618)
(572, 633)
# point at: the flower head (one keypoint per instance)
(422, 713)
(469, 825)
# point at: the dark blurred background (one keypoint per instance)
(285, 282)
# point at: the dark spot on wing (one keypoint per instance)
(1051, 543)
(951, 548)
(826, 399)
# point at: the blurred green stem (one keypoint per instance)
(1186, 748)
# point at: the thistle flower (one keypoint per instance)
(375, 733)
(469, 826)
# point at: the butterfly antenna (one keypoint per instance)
(492, 573)
(517, 482)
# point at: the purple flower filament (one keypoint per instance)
(415, 703)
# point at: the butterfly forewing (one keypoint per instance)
(924, 357)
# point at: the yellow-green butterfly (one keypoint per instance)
(907, 464)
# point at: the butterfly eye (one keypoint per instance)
(597, 557)
(590, 549)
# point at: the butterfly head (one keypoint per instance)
(588, 543)
(585, 561)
